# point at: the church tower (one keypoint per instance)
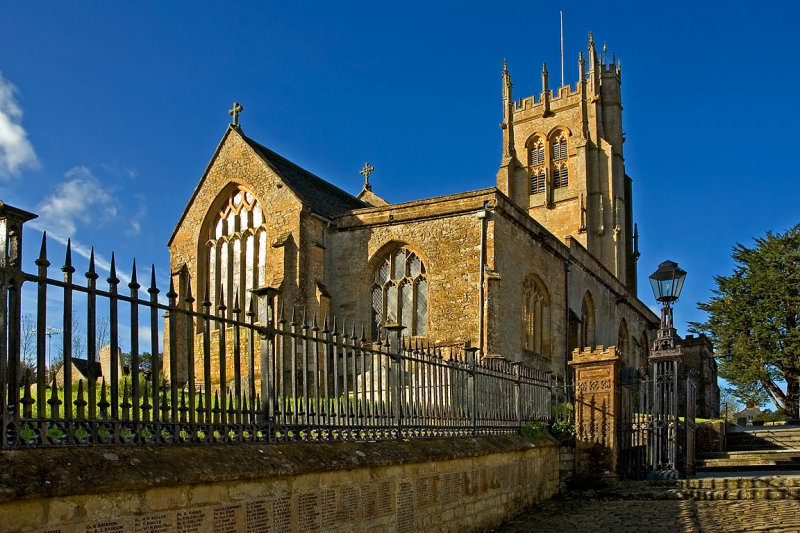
(563, 162)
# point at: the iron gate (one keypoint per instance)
(657, 423)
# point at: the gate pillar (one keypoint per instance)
(597, 407)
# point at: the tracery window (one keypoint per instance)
(535, 316)
(536, 165)
(400, 293)
(236, 249)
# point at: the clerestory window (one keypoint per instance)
(400, 293)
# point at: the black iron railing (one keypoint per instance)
(251, 374)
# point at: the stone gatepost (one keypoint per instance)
(597, 407)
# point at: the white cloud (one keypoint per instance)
(16, 150)
(79, 199)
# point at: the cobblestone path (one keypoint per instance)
(668, 516)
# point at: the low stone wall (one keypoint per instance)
(710, 437)
(566, 467)
(463, 484)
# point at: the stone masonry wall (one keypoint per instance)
(438, 485)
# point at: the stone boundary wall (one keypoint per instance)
(460, 484)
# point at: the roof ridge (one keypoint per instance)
(258, 146)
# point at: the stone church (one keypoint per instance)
(529, 269)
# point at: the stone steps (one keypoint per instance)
(777, 437)
(750, 460)
(770, 487)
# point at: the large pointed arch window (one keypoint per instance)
(235, 249)
(400, 293)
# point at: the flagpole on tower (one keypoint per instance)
(562, 47)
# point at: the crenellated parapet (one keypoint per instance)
(563, 160)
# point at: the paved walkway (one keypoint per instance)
(655, 516)
(635, 507)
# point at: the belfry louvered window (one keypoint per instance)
(560, 177)
(537, 182)
(400, 294)
(560, 148)
(537, 154)
(536, 165)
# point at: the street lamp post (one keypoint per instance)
(665, 357)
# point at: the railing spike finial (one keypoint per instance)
(280, 311)
(251, 306)
(236, 308)
(333, 325)
(188, 298)
(112, 272)
(304, 316)
(325, 324)
(134, 284)
(353, 335)
(68, 258)
(42, 260)
(221, 305)
(294, 316)
(92, 271)
(153, 289)
(171, 294)
(314, 321)
(363, 333)
(206, 296)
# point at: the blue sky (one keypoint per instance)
(110, 111)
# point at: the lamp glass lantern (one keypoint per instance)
(667, 282)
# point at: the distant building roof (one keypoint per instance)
(82, 366)
(322, 197)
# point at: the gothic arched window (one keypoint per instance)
(536, 164)
(587, 322)
(535, 316)
(400, 293)
(236, 249)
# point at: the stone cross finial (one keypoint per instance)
(366, 171)
(234, 112)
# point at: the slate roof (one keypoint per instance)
(82, 365)
(322, 197)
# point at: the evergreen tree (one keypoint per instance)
(755, 314)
